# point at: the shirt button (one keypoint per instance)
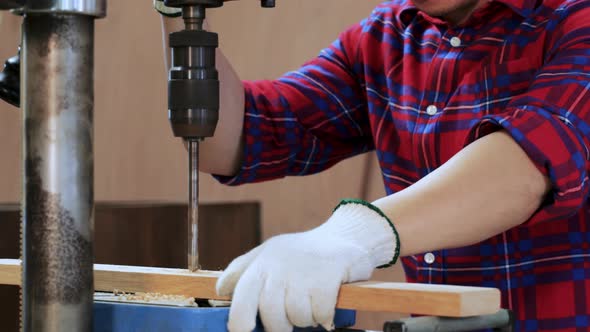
(429, 258)
(455, 41)
(431, 110)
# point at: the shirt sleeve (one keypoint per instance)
(551, 121)
(307, 120)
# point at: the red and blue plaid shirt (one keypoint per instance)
(417, 90)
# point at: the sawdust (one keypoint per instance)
(151, 298)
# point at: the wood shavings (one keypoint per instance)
(147, 298)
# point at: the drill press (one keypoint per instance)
(193, 96)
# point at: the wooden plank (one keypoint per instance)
(10, 272)
(150, 279)
(436, 300)
(423, 299)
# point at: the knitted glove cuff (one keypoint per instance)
(364, 203)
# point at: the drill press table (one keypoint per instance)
(126, 317)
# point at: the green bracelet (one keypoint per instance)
(376, 209)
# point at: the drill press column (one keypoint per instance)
(58, 204)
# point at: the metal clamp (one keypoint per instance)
(95, 8)
(502, 321)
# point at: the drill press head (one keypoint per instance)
(193, 96)
(193, 85)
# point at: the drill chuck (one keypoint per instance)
(193, 85)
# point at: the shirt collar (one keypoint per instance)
(522, 7)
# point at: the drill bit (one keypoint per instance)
(193, 204)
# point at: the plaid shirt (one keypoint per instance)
(417, 91)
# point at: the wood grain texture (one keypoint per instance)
(438, 300)
(424, 299)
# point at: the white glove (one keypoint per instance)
(294, 279)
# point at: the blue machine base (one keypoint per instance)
(127, 317)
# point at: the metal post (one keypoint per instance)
(58, 206)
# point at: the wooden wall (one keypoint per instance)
(137, 158)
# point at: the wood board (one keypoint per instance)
(424, 299)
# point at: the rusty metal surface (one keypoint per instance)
(57, 81)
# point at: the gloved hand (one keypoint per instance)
(294, 279)
(10, 81)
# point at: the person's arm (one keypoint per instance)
(528, 164)
(487, 188)
(300, 123)
(220, 154)
(293, 279)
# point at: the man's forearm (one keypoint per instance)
(487, 188)
(220, 154)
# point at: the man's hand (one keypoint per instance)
(294, 279)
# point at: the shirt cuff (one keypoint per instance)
(557, 150)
